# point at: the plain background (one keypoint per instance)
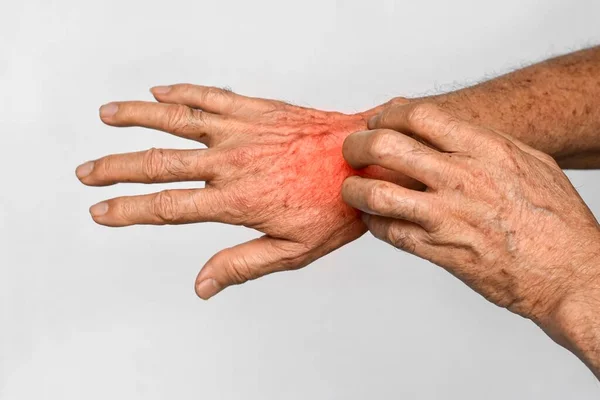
(88, 312)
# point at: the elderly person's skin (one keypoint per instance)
(270, 166)
(497, 214)
(279, 168)
(493, 211)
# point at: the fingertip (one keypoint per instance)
(351, 149)
(374, 121)
(108, 110)
(345, 188)
(98, 210)
(99, 213)
(349, 188)
(348, 181)
(346, 146)
(207, 288)
(84, 170)
(160, 90)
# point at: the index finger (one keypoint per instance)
(429, 122)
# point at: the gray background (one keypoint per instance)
(88, 312)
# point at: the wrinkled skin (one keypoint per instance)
(498, 214)
(269, 165)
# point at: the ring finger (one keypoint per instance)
(171, 207)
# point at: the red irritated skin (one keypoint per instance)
(269, 165)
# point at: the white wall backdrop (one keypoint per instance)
(88, 312)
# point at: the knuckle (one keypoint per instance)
(238, 270)
(153, 163)
(375, 199)
(241, 156)
(401, 239)
(103, 167)
(498, 145)
(176, 165)
(242, 208)
(214, 94)
(184, 87)
(506, 151)
(197, 118)
(387, 115)
(350, 185)
(474, 173)
(384, 116)
(451, 125)
(128, 210)
(421, 112)
(381, 143)
(179, 118)
(164, 207)
(457, 172)
(479, 175)
(413, 209)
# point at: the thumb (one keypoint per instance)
(248, 261)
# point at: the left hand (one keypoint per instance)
(269, 165)
(498, 214)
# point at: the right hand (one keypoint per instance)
(498, 214)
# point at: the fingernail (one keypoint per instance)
(108, 110)
(84, 169)
(99, 209)
(207, 289)
(160, 89)
(373, 121)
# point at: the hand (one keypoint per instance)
(269, 166)
(497, 214)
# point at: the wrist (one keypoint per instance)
(575, 322)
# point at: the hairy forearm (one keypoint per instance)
(553, 106)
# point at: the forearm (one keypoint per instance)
(553, 106)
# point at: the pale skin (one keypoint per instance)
(450, 178)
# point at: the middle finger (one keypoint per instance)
(150, 166)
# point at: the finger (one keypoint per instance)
(430, 123)
(403, 235)
(389, 200)
(167, 207)
(176, 119)
(446, 132)
(212, 99)
(248, 261)
(395, 151)
(150, 166)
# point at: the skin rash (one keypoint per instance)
(296, 177)
(306, 171)
(270, 166)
